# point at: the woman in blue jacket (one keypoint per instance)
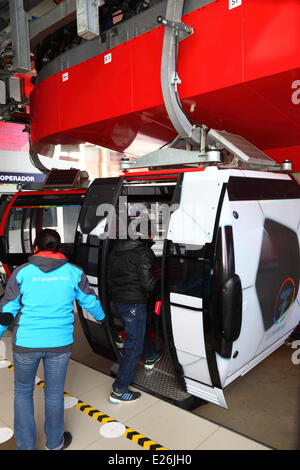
(40, 296)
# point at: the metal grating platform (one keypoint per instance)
(159, 381)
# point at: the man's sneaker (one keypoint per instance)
(149, 363)
(126, 397)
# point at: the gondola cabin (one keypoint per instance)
(227, 256)
(28, 212)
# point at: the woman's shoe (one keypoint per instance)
(67, 440)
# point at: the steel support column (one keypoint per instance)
(20, 36)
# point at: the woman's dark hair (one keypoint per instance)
(47, 240)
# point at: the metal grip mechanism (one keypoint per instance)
(178, 26)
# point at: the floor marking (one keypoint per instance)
(3, 363)
(101, 417)
(69, 401)
(5, 434)
(112, 430)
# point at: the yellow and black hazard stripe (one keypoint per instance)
(93, 412)
(129, 433)
(141, 440)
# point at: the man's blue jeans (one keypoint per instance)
(134, 319)
(55, 369)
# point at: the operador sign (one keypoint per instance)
(16, 179)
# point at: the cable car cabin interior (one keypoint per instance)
(109, 205)
(27, 213)
(214, 324)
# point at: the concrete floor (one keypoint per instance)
(264, 405)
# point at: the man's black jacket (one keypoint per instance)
(130, 271)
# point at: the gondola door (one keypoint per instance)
(187, 282)
(91, 250)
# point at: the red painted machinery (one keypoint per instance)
(239, 70)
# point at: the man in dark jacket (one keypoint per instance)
(131, 279)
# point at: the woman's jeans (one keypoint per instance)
(55, 369)
(134, 319)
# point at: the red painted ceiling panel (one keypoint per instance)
(211, 58)
(271, 36)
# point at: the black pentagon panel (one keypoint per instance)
(277, 279)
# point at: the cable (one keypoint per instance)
(171, 142)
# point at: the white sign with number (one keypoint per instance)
(107, 58)
(234, 4)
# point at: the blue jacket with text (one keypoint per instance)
(40, 296)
